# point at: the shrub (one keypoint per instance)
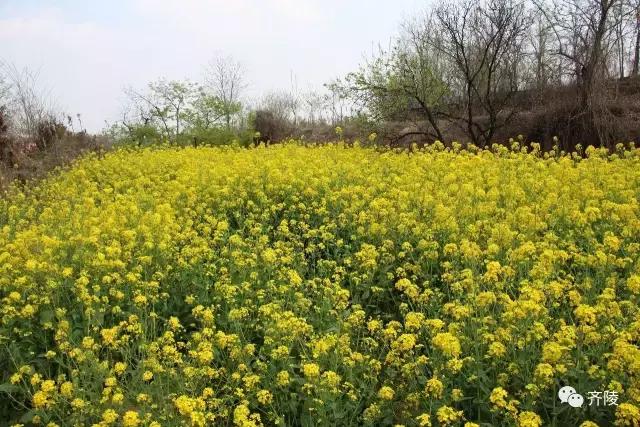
(48, 132)
(213, 137)
(5, 142)
(271, 128)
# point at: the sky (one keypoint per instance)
(87, 52)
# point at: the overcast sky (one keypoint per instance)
(88, 51)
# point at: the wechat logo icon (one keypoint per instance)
(569, 395)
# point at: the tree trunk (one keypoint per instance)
(620, 36)
(430, 118)
(590, 69)
(636, 57)
(177, 122)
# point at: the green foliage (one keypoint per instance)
(181, 113)
(145, 134)
(393, 83)
(167, 101)
(215, 136)
(362, 123)
(134, 134)
(205, 111)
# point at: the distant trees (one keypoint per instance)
(585, 31)
(588, 41)
(485, 44)
(205, 110)
(29, 119)
(591, 40)
(466, 68)
(4, 118)
(407, 80)
(5, 149)
(26, 106)
(457, 65)
(313, 105)
(278, 113)
(280, 103)
(461, 64)
(224, 79)
(327, 106)
(173, 109)
(30, 123)
(163, 103)
(185, 111)
(337, 103)
(541, 65)
(330, 106)
(473, 67)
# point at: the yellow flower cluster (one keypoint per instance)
(331, 285)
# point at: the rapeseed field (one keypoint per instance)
(333, 286)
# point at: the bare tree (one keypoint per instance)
(225, 79)
(135, 113)
(146, 109)
(279, 103)
(294, 98)
(5, 91)
(337, 102)
(543, 63)
(461, 64)
(620, 32)
(313, 104)
(28, 105)
(588, 33)
(485, 42)
(583, 29)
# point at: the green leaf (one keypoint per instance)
(9, 388)
(28, 416)
(47, 316)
